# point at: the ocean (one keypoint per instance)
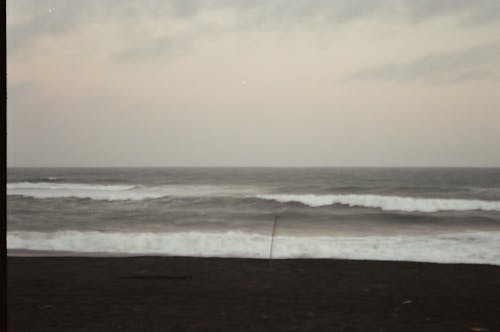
(445, 215)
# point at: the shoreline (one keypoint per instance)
(159, 293)
(29, 253)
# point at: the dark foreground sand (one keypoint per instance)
(187, 294)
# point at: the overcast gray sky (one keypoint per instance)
(253, 83)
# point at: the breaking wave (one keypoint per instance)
(116, 192)
(388, 203)
(113, 192)
(478, 248)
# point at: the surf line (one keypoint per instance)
(276, 218)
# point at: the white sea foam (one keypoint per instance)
(116, 192)
(388, 203)
(477, 248)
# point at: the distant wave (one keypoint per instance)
(77, 190)
(50, 178)
(480, 248)
(117, 192)
(388, 203)
(67, 186)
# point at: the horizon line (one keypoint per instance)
(253, 166)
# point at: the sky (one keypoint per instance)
(253, 83)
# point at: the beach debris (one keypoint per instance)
(407, 302)
(478, 329)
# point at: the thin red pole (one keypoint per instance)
(276, 218)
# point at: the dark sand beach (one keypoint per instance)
(200, 294)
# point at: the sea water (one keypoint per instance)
(446, 215)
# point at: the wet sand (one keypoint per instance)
(212, 294)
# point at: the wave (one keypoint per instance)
(118, 192)
(70, 186)
(388, 203)
(77, 190)
(113, 192)
(478, 248)
(45, 179)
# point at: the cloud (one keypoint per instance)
(38, 21)
(478, 74)
(471, 12)
(474, 63)
(331, 12)
(41, 18)
(155, 48)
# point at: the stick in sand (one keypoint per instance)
(276, 218)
